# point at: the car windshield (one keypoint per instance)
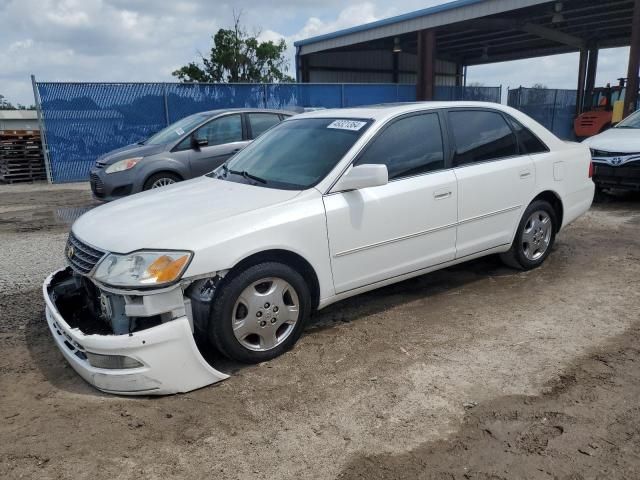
(294, 155)
(632, 121)
(176, 130)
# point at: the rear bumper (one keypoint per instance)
(171, 362)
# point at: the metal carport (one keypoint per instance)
(433, 46)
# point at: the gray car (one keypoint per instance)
(190, 147)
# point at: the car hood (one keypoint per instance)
(129, 151)
(179, 216)
(618, 140)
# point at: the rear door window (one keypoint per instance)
(260, 122)
(222, 130)
(480, 135)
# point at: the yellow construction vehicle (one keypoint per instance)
(602, 109)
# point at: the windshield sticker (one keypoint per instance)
(352, 125)
(179, 131)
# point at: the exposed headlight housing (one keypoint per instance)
(122, 165)
(142, 269)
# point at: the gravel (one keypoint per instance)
(379, 386)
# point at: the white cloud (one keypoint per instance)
(558, 71)
(145, 40)
(350, 16)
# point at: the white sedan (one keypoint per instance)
(616, 155)
(323, 206)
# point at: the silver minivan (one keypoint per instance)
(188, 148)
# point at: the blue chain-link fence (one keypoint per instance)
(85, 120)
(553, 108)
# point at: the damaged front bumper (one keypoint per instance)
(158, 360)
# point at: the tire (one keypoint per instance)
(253, 318)
(534, 238)
(161, 179)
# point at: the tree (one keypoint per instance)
(5, 104)
(238, 57)
(540, 86)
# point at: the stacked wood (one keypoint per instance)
(21, 158)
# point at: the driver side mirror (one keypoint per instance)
(362, 176)
(197, 142)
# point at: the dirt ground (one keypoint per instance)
(474, 372)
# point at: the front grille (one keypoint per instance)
(624, 176)
(96, 184)
(81, 257)
(606, 154)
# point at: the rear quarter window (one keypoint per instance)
(529, 143)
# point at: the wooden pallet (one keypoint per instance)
(21, 158)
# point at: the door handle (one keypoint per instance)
(441, 195)
(525, 173)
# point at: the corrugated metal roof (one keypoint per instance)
(438, 15)
(18, 115)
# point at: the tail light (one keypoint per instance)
(590, 169)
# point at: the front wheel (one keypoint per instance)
(161, 179)
(259, 313)
(534, 238)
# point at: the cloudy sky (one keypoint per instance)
(145, 40)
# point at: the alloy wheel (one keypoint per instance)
(536, 236)
(265, 314)
(162, 182)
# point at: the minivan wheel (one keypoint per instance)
(259, 313)
(161, 179)
(534, 238)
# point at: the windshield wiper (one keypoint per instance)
(245, 174)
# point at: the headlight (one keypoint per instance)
(122, 165)
(142, 269)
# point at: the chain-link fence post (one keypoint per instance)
(43, 136)
(553, 111)
(166, 104)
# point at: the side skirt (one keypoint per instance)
(416, 273)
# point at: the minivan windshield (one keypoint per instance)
(295, 154)
(632, 121)
(176, 130)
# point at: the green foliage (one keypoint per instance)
(238, 57)
(539, 86)
(7, 105)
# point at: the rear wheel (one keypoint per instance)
(161, 179)
(259, 313)
(534, 238)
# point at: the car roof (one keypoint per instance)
(213, 113)
(387, 110)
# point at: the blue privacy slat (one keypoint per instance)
(85, 120)
(553, 108)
